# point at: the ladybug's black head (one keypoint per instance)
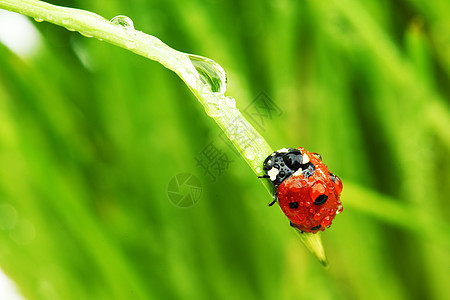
(281, 164)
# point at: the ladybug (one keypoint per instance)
(308, 193)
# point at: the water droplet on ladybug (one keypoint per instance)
(317, 193)
(338, 185)
(317, 155)
(326, 221)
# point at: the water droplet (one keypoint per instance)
(123, 21)
(70, 29)
(86, 35)
(38, 20)
(326, 221)
(210, 72)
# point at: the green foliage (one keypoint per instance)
(88, 147)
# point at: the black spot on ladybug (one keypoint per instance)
(282, 174)
(293, 205)
(332, 177)
(321, 199)
(315, 227)
(308, 169)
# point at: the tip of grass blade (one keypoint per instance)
(314, 244)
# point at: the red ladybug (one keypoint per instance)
(307, 192)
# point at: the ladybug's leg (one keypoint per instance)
(275, 198)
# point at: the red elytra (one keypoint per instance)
(311, 203)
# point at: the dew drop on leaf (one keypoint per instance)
(123, 21)
(210, 72)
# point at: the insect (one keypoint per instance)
(308, 193)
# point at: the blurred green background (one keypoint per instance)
(91, 135)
